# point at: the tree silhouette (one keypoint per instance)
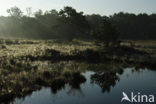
(72, 23)
(15, 12)
(68, 24)
(106, 32)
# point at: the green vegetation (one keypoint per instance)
(64, 24)
(73, 43)
(28, 65)
(69, 24)
(106, 33)
(76, 50)
(20, 81)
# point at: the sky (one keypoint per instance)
(103, 7)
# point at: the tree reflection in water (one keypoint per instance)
(74, 82)
(58, 75)
(107, 77)
(105, 80)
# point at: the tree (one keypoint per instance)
(38, 13)
(94, 20)
(72, 23)
(106, 33)
(29, 11)
(15, 12)
(14, 21)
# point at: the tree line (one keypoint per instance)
(69, 24)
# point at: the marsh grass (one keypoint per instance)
(26, 65)
(18, 84)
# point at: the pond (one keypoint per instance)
(101, 86)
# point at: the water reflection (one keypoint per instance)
(75, 81)
(105, 80)
(108, 76)
(85, 81)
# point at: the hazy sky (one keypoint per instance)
(104, 7)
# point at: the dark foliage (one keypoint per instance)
(69, 24)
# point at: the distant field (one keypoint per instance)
(18, 47)
(142, 43)
(26, 47)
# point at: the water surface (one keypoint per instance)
(100, 87)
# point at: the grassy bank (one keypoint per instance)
(27, 65)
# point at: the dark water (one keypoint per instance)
(101, 87)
